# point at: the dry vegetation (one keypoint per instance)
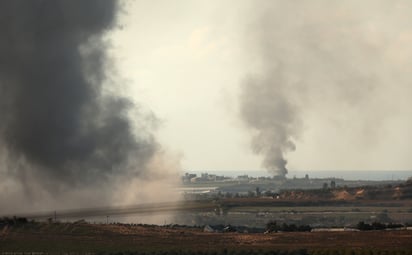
(63, 237)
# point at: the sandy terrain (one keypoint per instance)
(87, 237)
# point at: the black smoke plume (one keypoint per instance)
(59, 125)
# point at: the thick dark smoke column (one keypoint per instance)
(56, 119)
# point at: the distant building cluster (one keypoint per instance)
(248, 186)
(206, 177)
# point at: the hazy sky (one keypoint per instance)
(345, 68)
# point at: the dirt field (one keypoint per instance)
(43, 237)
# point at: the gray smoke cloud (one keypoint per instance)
(60, 126)
(341, 60)
(267, 110)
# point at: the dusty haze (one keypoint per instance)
(65, 135)
(296, 85)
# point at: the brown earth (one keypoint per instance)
(88, 237)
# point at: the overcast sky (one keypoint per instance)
(345, 67)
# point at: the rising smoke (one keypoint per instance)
(266, 109)
(339, 60)
(61, 129)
